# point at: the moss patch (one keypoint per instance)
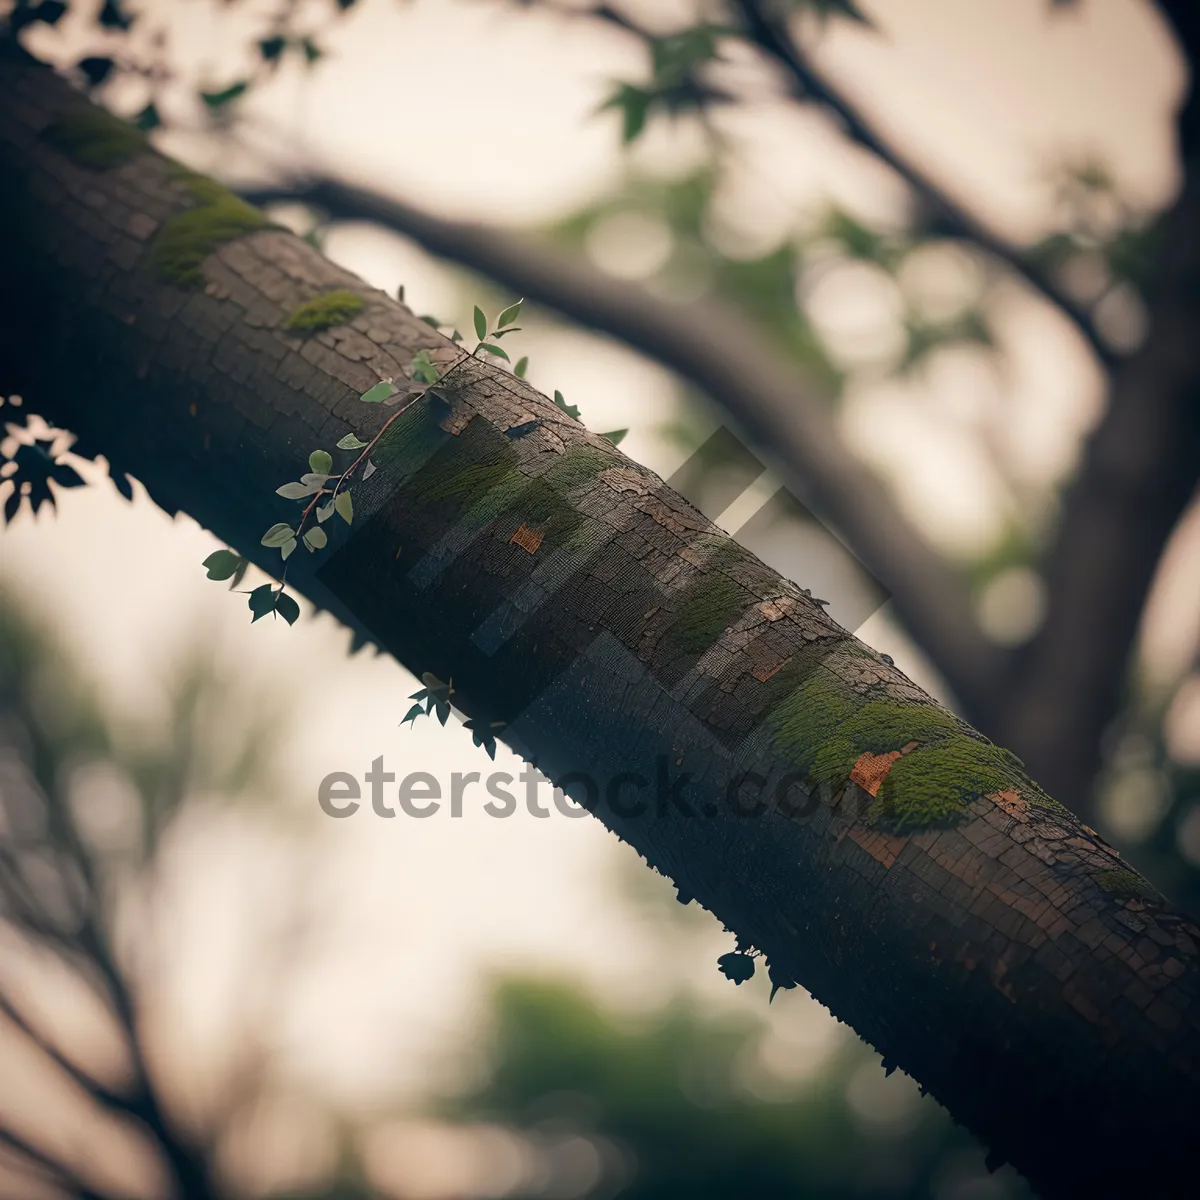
(711, 604)
(324, 312)
(542, 501)
(1126, 884)
(94, 138)
(188, 237)
(825, 728)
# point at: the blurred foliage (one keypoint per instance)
(670, 1104)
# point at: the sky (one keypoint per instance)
(480, 111)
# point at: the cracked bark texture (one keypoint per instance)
(1012, 963)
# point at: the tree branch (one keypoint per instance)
(782, 411)
(76, 1073)
(35, 1159)
(1140, 469)
(771, 35)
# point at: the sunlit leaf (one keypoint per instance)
(509, 315)
(381, 391)
(294, 491)
(278, 534)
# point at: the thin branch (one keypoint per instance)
(776, 405)
(76, 1073)
(771, 36)
(59, 1174)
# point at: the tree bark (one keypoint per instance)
(901, 867)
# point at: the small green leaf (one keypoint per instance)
(271, 48)
(616, 436)
(480, 323)
(634, 104)
(294, 491)
(344, 506)
(509, 315)
(216, 100)
(456, 336)
(278, 534)
(572, 410)
(148, 119)
(262, 601)
(413, 713)
(221, 564)
(324, 512)
(493, 350)
(311, 51)
(423, 368)
(315, 538)
(350, 442)
(287, 548)
(315, 482)
(499, 333)
(430, 319)
(287, 608)
(521, 367)
(380, 392)
(369, 469)
(321, 461)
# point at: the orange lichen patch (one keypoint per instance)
(872, 769)
(528, 539)
(762, 674)
(882, 847)
(1011, 802)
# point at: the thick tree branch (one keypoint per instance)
(901, 867)
(1140, 469)
(783, 412)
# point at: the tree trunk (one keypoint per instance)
(872, 846)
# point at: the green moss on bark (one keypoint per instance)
(825, 727)
(711, 604)
(1125, 884)
(188, 237)
(324, 312)
(96, 139)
